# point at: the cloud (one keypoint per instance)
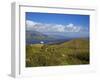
(30, 23)
(72, 28)
(43, 27)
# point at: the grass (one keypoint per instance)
(73, 52)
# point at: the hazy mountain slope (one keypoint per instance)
(35, 35)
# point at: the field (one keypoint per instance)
(73, 52)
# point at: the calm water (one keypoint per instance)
(46, 41)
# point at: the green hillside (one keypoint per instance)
(71, 52)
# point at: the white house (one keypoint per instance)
(41, 42)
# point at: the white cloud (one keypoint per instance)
(56, 28)
(72, 28)
(42, 27)
(70, 25)
(30, 23)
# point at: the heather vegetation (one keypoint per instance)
(73, 52)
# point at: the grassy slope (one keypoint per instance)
(68, 53)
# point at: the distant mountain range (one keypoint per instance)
(34, 37)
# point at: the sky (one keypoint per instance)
(63, 24)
